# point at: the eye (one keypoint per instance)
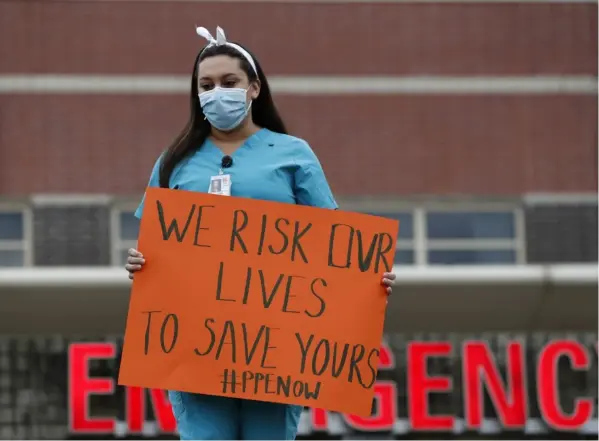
(229, 83)
(206, 87)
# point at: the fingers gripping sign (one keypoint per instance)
(135, 261)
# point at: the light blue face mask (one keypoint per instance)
(225, 108)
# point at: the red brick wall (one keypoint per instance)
(439, 144)
(302, 38)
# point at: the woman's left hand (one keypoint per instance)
(388, 281)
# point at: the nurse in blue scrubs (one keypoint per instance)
(235, 143)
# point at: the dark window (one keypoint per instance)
(12, 239)
(404, 256)
(126, 232)
(470, 225)
(471, 257)
(11, 226)
(12, 257)
(129, 226)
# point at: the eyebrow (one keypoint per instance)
(223, 76)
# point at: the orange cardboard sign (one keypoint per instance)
(258, 300)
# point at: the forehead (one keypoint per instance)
(218, 66)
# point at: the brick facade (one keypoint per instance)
(417, 144)
(482, 145)
(494, 145)
(303, 38)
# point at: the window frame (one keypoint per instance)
(26, 244)
(421, 244)
(516, 244)
(118, 245)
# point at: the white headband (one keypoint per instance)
(221, 40)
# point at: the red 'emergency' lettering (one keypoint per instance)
(548, 387)
(385, 402)
(479, 372)
(420, 384)
(320, 419)
(385, 399)
(480, 368)
(385, 396)
(135, 409)
(81, 386)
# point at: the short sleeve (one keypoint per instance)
(154, 182)
(311, 186)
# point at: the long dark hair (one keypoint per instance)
(264, 112)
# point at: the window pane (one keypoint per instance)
(11, 226)
(471, 257)
(404, 257)
(470, 225)
(12, 258)
(406, 223)
(129, 226)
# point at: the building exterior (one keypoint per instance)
(473, 123)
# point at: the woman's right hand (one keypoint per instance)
(135, 262)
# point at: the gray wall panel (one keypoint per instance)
(561, 233)
(72, 235)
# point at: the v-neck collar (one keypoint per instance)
(250, 141)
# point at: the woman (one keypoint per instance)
(235, 136)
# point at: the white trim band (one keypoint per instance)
(66, 200)
(560, 199)
(305, 85)
(115, 277)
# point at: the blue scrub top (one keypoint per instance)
(268, 166)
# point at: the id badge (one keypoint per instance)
(220, 184)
